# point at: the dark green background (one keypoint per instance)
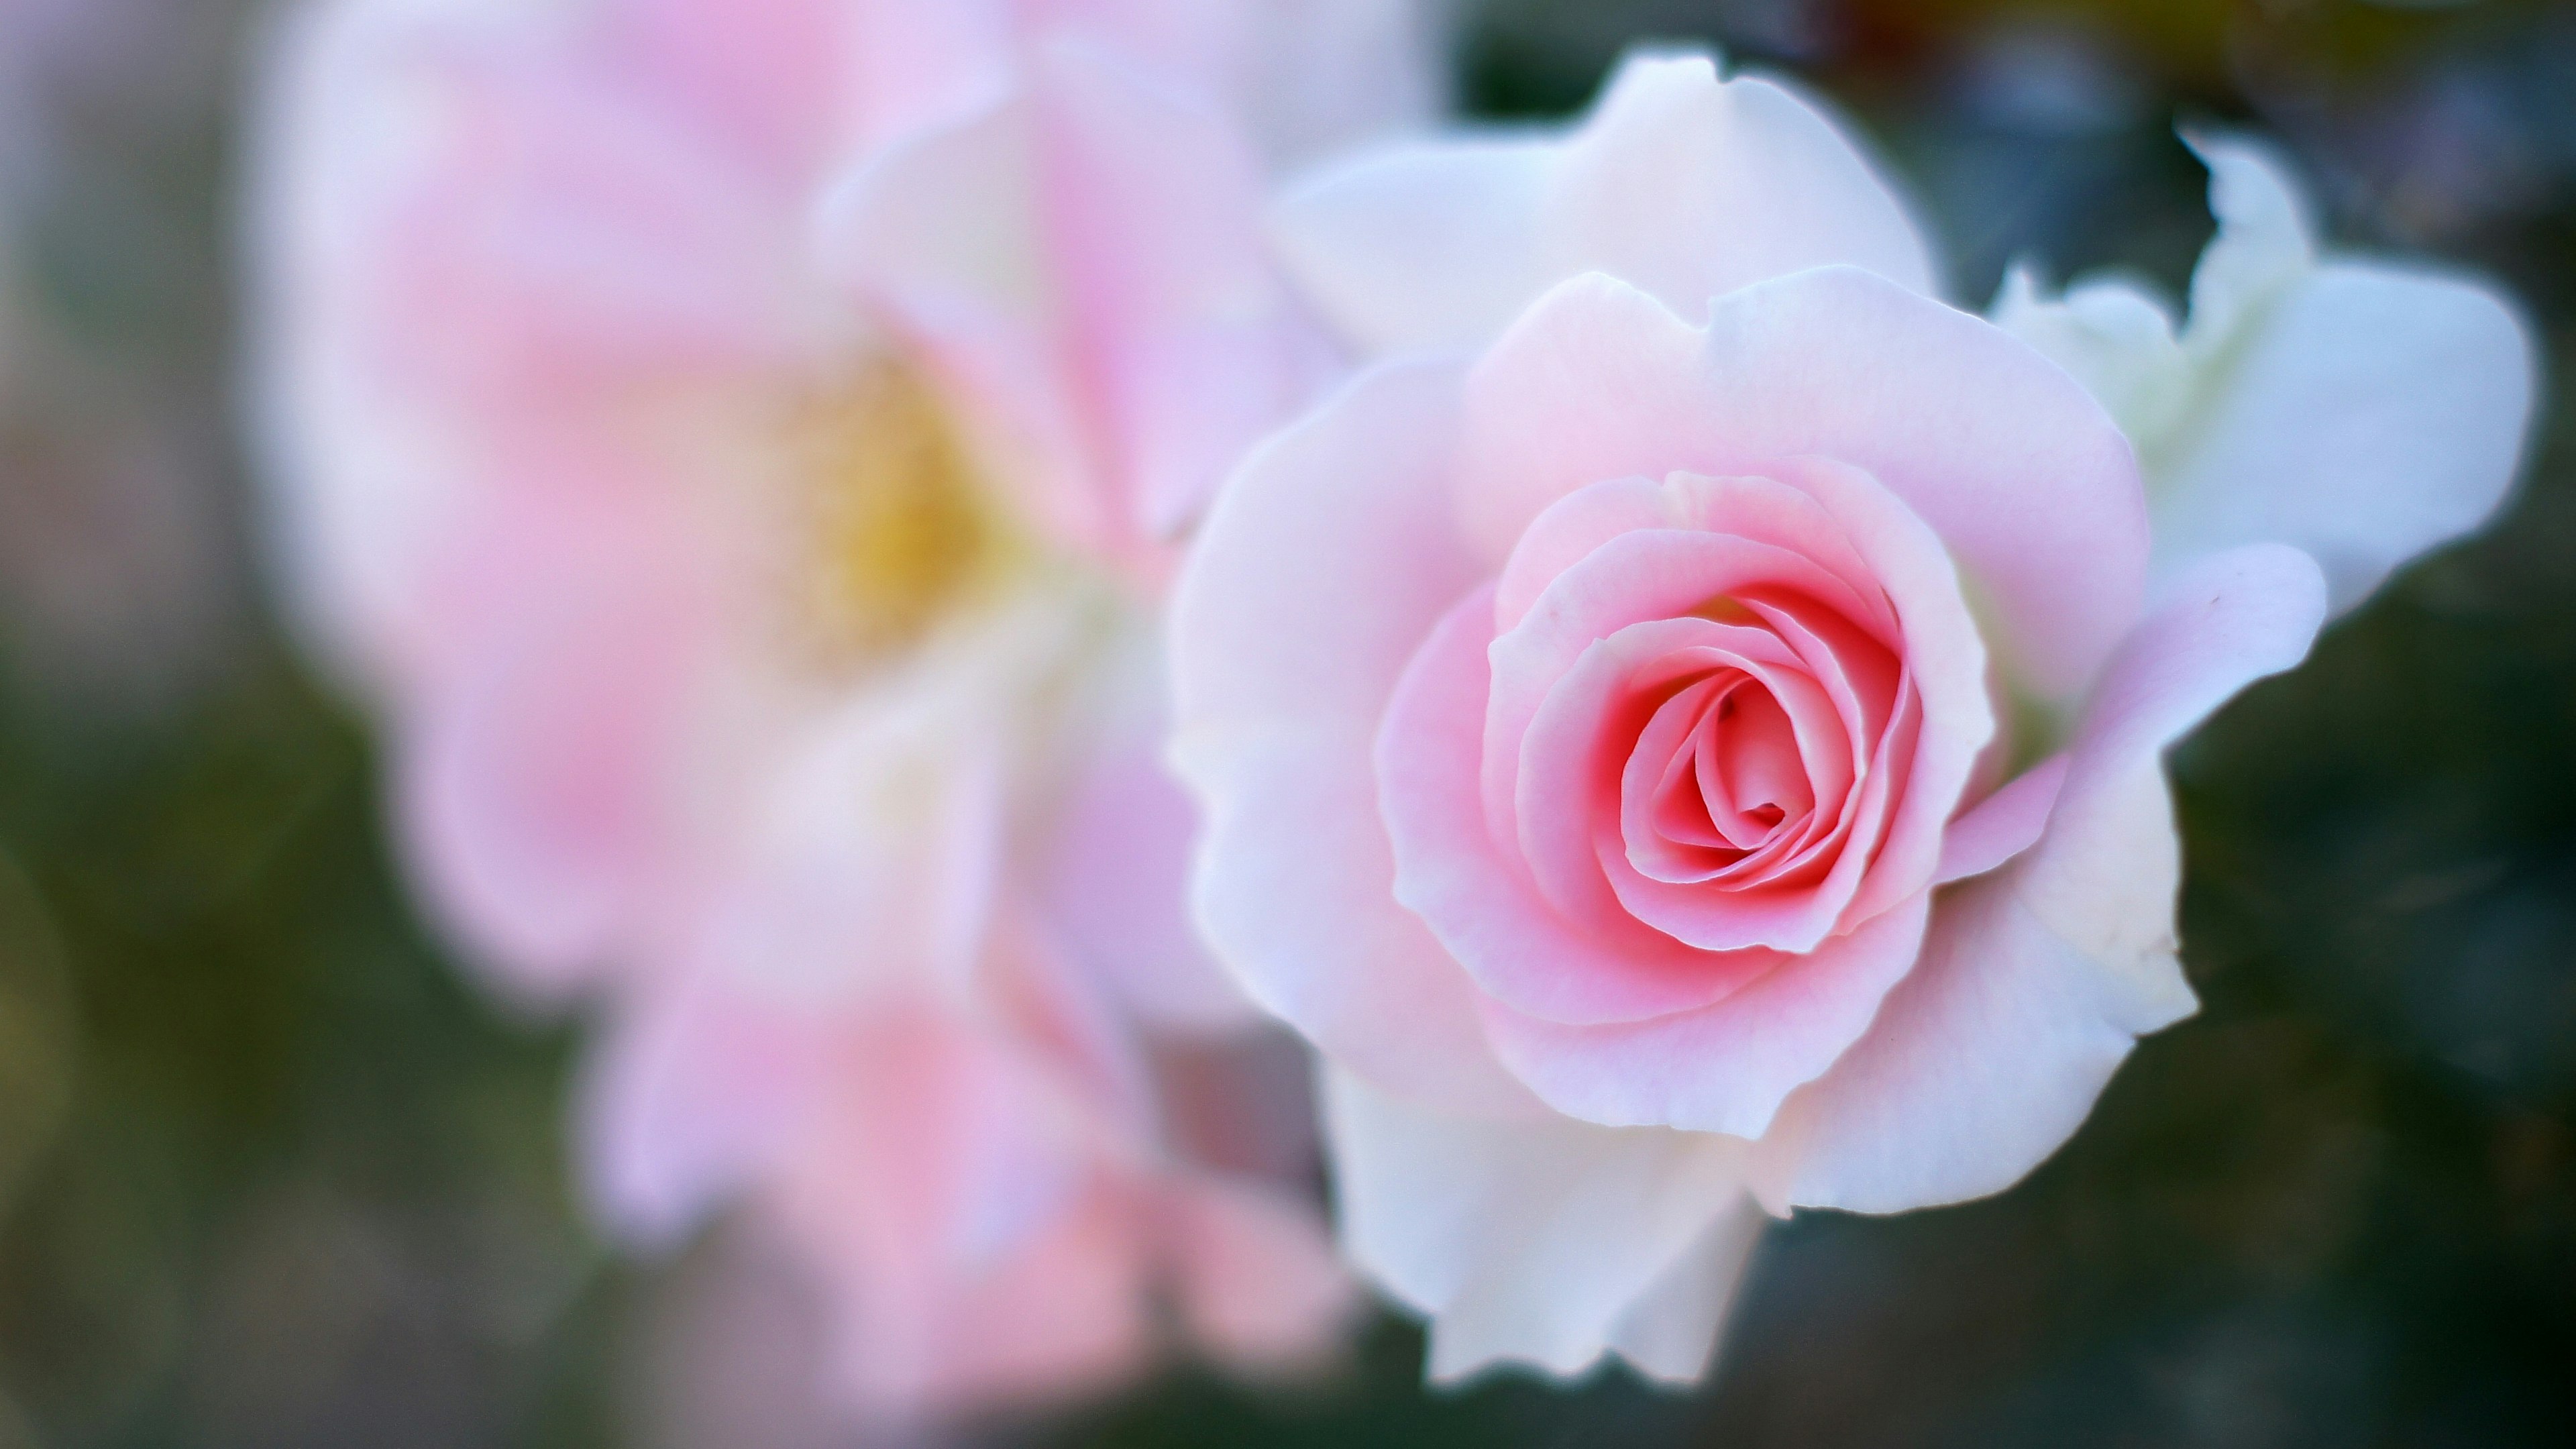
(272, 1174)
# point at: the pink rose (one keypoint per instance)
(1675, 768)
(740, 447)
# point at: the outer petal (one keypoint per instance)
(944, 1189)
(1546, 1243)
(1083, 259)
(459, 207)
(2362, 411)
(1722, 1068)
(2037, 979)
(874, 849)
(1064, 1312)
(2115, 336)
(1690, 187)
(1281, 673)
(2267, 239)
(2025, 478)
(2002, 825)
(2368, 413)
(1679, 183)
(1672, 1333)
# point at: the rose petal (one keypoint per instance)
(1113, 875)
(1672, 1333)
(1635, 578)
(1280, 678)
(1762, 510)
(2373, 412)
(1720, 1068)
(1663, 186)
(943, 234)
(1546, 1243)
(1427, 245)
(2002, 825)
(2267, 238)
(534, 782)
(1569, 829)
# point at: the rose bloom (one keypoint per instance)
(739, 447)
(1683, 760)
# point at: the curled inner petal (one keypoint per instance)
(1721, 771)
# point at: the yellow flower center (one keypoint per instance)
(898, 529)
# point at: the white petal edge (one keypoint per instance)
(1438, 244)
(1543, 1244)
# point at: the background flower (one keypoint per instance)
(739, 449)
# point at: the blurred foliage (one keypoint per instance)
(273, 1173)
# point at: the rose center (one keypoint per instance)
(1734, 779)
(894, 528)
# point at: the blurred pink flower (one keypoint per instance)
(1723, 771)
(740, 445)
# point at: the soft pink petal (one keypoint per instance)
(2038, 978)
(869, 864)
(943, 234)
(1280, 676)
(2026, 481)
(1761, 510)
(564, 231)
(915, 67)
(1673, 1332)
(1319, 77)
(1567, 816)
(1639, 577)
(1945, 661)
(1066, 1313)
(771, 77)
(2002, 825)
(1721, 1068)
